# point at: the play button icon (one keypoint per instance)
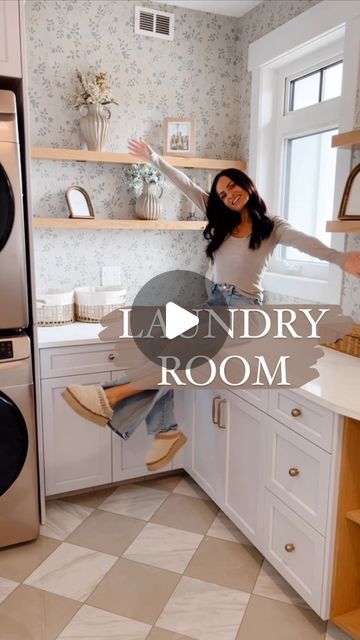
(168, 318)
(178, 320)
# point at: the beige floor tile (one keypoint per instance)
(162, 634)
(273, 620)
(6, 587)
(62, 518)
(94, 624)
(223, 528)
(92, 499)
(17, 562)
(204, 611)
(230, 564)
(32, 614)
(72, 571)
(134, 590)
(107, 532)
(164, 547)
(136, 501)
(334, 633)
(167, 483)
(184, 512)
(187, 487)
(270, 584)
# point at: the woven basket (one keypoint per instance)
(93, 303)
(55, 307)
(349, 344)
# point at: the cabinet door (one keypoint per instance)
(77, 453)
(10, 59)
(128, 456)
(208, 445)
(244, 493)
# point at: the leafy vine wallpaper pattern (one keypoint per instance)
(201, 74)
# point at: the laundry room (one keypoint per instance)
(157, 158)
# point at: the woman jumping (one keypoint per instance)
(241, 236)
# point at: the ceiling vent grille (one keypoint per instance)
(156, 24)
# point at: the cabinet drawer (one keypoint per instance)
(298, 472)
(303, 416)
(303, 564)
(64, 361)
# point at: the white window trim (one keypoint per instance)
(324, 19)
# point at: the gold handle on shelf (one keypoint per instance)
(111, 356)
(296, 413)
(290, 547)
(294, 471)
(215, 409)
(221, 423)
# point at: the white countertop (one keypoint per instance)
(337, 388)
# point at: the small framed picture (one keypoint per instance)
(350, 201)
(79, 203)
(179, 137)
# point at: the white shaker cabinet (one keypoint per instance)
(10, 53)
(77, 453)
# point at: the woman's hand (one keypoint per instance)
(140, 149)
(352, 263)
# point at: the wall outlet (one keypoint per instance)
(110, 276)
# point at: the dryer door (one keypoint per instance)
(13, 442)
(7, 207)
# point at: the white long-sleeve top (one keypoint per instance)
(234, 262)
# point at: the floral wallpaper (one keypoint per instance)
(202, 74)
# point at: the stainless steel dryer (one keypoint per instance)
(13, 284)
(19, 508)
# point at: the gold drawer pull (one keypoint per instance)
(111, 356)
(289, 547)
(294, 471)
(296, 413)
(221, 423)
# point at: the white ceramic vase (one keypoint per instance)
(148, 205)
(94, 125)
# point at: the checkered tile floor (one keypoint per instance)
(152, 560)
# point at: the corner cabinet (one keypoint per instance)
(269, 459)
(10, 56)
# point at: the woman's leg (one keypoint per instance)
(120, 392)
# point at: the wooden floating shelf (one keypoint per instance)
(347, 139)
(349, 622)
(78, 155)
(95, 223)
(354, 516)
(343, 226)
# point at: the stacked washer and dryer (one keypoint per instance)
(19, 509)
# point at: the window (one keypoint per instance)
(296, 74)
(316, 86)
(304, 121)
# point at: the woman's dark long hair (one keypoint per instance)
(223, 220)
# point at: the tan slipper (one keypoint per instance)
(163, 448)
(90, 402)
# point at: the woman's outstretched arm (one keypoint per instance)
(197, 195)
(285, 234)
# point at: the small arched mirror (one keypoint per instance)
(350, 202)
(79, 203)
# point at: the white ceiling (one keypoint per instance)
(235, 8)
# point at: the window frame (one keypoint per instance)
(313, 29)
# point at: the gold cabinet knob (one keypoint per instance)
(290, 547)
(111, 356)
(294, 471)
(296, 413)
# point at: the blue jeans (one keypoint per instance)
(156, 406)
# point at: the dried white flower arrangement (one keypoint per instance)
(138, 174)
(95, 89)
